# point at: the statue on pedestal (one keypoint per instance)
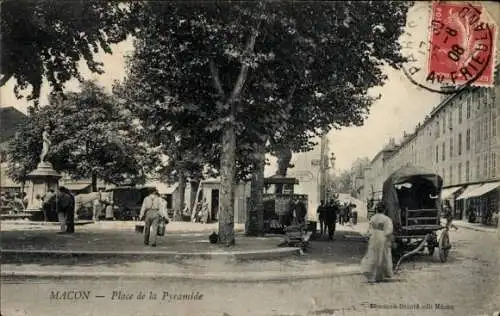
(46, 144)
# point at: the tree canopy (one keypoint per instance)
(269, 72)
(91, 136)
(48, 39)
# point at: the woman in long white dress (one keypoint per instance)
(377, 263)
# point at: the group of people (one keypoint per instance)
(14, 202)
(201, 213)
(347, 214)
(327, 215)
(334, 212)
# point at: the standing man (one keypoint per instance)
(67, 204)
(300, 211)
(341, 215)
(331, 218)
(150, 213)
(25, 199)
(321, 217)
(97, 207)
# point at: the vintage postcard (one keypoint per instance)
(227, 158)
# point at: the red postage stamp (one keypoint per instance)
(462, 45)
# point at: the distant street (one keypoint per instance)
(468, 285)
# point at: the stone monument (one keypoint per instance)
(41, 180)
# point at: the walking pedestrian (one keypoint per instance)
(110, 211)
(341, 215)
(377, 263)
(354, 215)
(150, 214)
(448, 215)
(471, 213)
(331, 218)
(300, 211)
(321, 217)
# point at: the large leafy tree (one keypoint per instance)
(272, 72)
(91, 138)
(47, 39)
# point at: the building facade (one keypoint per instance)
(459, 140)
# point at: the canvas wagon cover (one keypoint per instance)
(402, 175)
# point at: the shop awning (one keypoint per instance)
(77, 186)
(485, 188)
(163, 188)
(468, 191)
(167, 189)
(448, 192)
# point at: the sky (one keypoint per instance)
(401, 107)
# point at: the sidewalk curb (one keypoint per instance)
(478, 229)
(7, 254)
(470, 227)
(247, 277)
(33, 223)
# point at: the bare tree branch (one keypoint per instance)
(5, 78)
(240, 82)
(216, 79)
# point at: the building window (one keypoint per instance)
(459, 144)
(468, 106)
(443, 152)
(467, 171)
(451, 147)
(438, 131)
(467, 140)
(450, 117)
(444, 175)
(460, 114)
(451, 174)
(485, 166)
(478, 167)
(444, 123)
(459, 172)
(437, 153)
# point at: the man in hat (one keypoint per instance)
(150, 213)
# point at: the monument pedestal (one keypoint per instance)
(40, 181)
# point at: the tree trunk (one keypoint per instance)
(94, 182)
(255, 215)
(192, 196)
(226, 213)
(228, 157)
(182, 192)
(284, 158)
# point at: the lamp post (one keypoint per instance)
(327, 184)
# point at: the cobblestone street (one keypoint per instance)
(473, 267)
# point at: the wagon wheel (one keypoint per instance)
(444, 247)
